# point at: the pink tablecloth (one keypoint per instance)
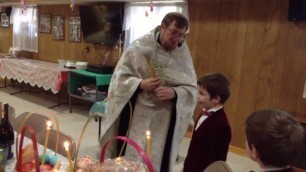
(43, 74)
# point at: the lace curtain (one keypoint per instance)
(25, 28)
(139, 19)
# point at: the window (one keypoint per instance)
(25, 28)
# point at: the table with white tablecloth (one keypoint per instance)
(49, 76)
(34, 72)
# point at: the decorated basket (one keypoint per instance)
(119, 164)
(28, 158)
(124, 164)
(25, 162)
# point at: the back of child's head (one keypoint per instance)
(276, 135)
(216, 84)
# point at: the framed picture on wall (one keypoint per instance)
(58, 28)
(5, 20)
(74, 29)
(45, 23)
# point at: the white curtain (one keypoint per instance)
(139, 19)
(25, 28)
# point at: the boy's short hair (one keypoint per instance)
(276, 135)
(216, 84)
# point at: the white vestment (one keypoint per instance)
(175, 69)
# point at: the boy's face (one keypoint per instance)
(204, 99)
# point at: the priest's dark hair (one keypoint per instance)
(180, 20)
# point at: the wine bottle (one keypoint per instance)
(7, 133)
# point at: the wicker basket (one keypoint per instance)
(88, 164)
(20, 167)
(100, 166)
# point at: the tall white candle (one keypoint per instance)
(66, 145)
(119, 46)
(49, 124)
(148, 133)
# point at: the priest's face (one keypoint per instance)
(171, 36)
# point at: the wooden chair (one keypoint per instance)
(52, 142)
(219, 166)
(37, 121)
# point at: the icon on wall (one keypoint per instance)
(45, 23)
(58, 28)
(75, 29)
(5, 20)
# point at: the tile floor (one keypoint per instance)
(72, 124)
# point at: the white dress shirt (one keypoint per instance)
(203, 117)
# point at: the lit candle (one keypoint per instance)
(66, 145)
(119, 46)
(119, 50)
(49, 124)
(1, 109)
(148, 133)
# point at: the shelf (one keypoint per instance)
(78, 78)
(82, 98)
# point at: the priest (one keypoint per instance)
(154, 78)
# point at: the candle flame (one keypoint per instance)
(148, 133)
(66, 145)
(49, 123)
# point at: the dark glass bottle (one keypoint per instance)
(6, 132)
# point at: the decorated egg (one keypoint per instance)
(53, 159)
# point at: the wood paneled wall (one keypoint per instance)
(6, 40)
(51, 50)
(251, 42)
(257, 48)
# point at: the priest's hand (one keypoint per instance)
(165, 93)
(150, 84)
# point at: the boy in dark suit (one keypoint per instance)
(212, 133)
(274, 139)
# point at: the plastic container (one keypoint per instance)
(81, 65)
(61, 63)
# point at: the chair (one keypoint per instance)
(12, 115)
(219, 166)
(52, 142)
(36, 121)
